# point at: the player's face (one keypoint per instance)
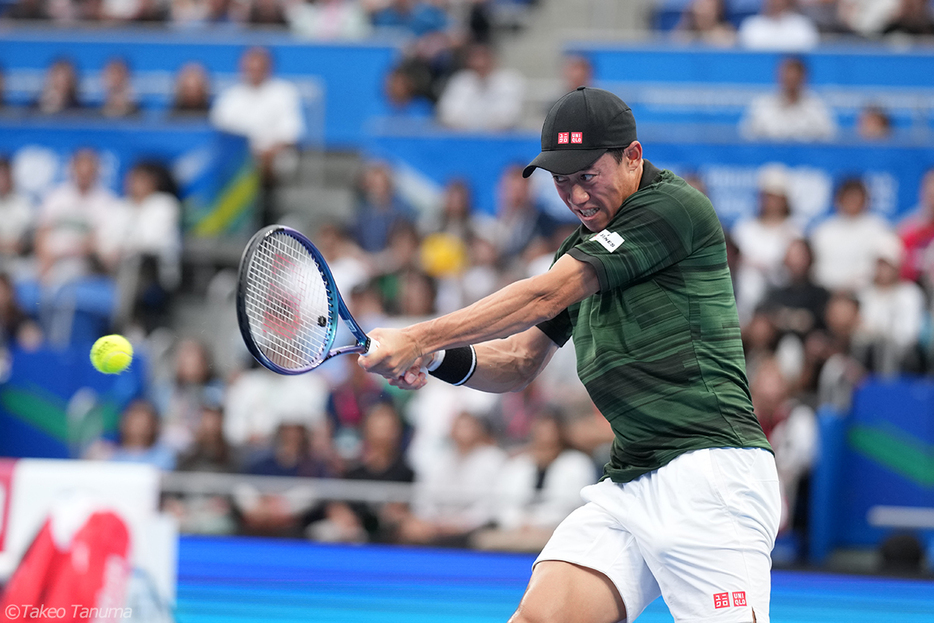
(596, 193)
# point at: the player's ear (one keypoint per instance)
(633, 153)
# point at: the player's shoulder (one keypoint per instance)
(669, 194)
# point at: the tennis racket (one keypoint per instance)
(288, 303)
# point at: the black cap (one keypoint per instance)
(580, 128)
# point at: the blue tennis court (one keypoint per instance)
(245, 580)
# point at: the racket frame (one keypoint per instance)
(335, 304)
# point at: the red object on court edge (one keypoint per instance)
(72, 581)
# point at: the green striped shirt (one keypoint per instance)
(658, 347)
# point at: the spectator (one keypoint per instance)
(17, 218)
(518, 219)
(892, 314)
(763, 240)
(576, 71)
(402, 97)
(479, 276)
(867, 17)
(844, 245)
(480, 20)
(482, 96)
(266, 13)
(224, 13)
(760, 340)
(838, 371)
(70, 11)
(142, 245)
(28, 10)
(148, 223)
(17, 330)
(917, 230)
(913, 18)
(205, 513)
(397, 265)
(281, 514)
(345, 259)
(873, 124)
(379, 209)
(138, 440)
(791, 114)
(778, 27)
(706, 21)
(192, 95)
(347, 405)
(382, 460)
(119, 99)
(290, 455)
(59, 89)
(151, 11)
(134, 10)
(328, 19)
(257, 401)
(791, 428)
(826, 14)
(209, 451)
(181, 398)
(69, 220)
(186, 13)
(456, 214)
(266, 110)
(454, 499)
(415, 17)
(117, 10)
(416, 296)
(798, 306)
(537, 489)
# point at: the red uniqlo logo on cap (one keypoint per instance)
(721, 600)
(562, 138)
(577, 137)
(739, 598)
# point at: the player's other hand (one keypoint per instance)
(414, 378)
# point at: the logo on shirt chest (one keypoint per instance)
(609, 239)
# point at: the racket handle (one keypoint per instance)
(372, 345)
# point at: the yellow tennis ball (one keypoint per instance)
(111, 354)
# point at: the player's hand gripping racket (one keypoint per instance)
(288, 303)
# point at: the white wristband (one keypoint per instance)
(436, 358)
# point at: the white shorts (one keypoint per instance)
(698, 531)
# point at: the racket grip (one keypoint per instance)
(371, 346)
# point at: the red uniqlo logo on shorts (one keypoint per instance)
(739, 598)
(562, 138)
(721, 600)
(577, 137)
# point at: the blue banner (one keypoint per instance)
(215, 171)
(875, 469)
(54, 403)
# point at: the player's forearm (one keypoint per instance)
(513, 309)
(502, 366)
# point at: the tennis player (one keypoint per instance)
(689, 505)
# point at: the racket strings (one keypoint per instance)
(288, 303)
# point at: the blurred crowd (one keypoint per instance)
(800, 25)
(324, 19)
(823, 302)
